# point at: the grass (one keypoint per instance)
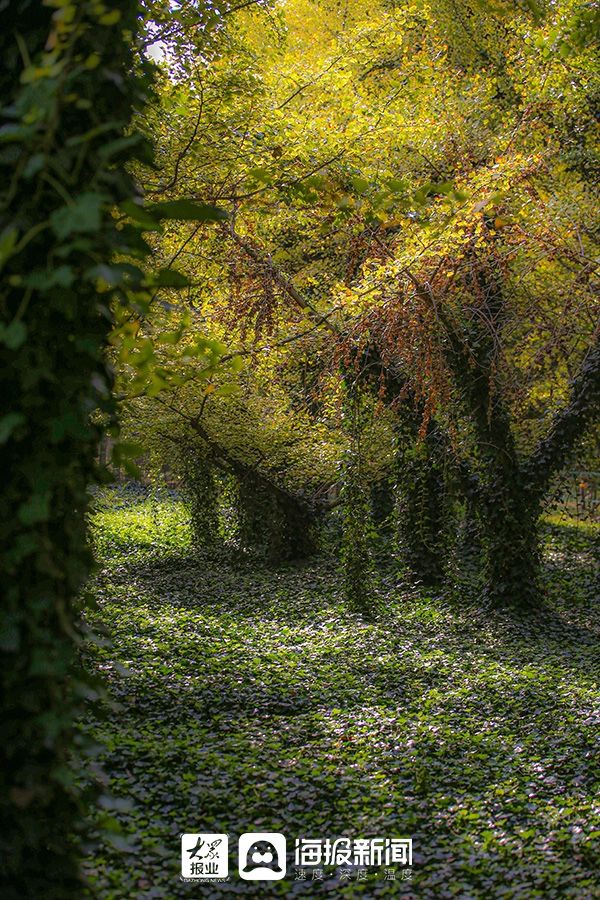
(244, 698)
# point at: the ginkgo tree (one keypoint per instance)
(409, 198)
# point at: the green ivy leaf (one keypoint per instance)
(8, 424)
(226, 390)
(117, 274)
(360, 184)
(41, 279)
(36, 509)
(140, 214)
(117, 146)
(8, 240)
(126, 450)
(170, 278)
(13, 335)
(83, 215)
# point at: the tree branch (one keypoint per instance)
(277, 275)
(568, 426)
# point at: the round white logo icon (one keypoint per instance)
(261, 856)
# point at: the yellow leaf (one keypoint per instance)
(110, 18)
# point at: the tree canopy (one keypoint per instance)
(409, 211)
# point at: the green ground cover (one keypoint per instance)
(247, 698)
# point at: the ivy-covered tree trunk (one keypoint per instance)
(383, 503)
(201, 492)
(272, 521)
(358, 529)
(67, 100)
(469, 538)
(358, 570)
(506, 513)
(300, 525)
(511, 546)
(416, 500)
(424, 515)
(507, 490)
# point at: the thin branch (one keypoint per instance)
(185, 149)
(277, 275)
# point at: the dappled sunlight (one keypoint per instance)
(300, 345)
(260, 699)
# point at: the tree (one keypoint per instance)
(68, 96)
(450, 157)
(510, 491)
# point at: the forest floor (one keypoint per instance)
(246, 698)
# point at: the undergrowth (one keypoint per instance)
(246, 698)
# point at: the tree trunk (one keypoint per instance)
(59, 191)
(272, 521)
(511, 546)
(271, 518)
(424, 514)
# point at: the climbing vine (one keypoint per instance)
(358, 528)
(68, 96)
(424, 513)
(201, 490)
